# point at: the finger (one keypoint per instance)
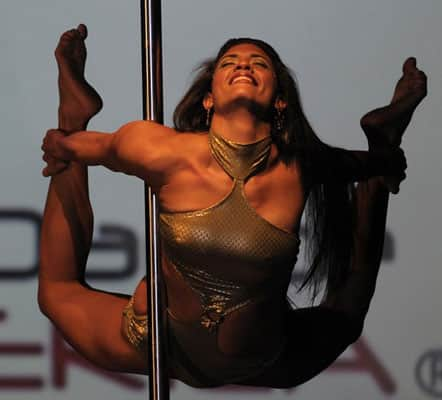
(56, 165)
(61, 167)
(46, 145)
(54, 132)
(49, 133)
(402, 160)
(409, 66)
(391, 183)
(49, 138)
(50, 159)
(54, 169)
(45, 172)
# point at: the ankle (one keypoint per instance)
(69, 123)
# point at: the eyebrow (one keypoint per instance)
(253, 55)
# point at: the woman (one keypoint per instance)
(233, 179)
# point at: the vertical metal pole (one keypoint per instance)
(153, 110)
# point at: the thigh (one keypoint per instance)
(316, 336)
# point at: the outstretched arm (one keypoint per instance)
(334, 164)
(141, 148)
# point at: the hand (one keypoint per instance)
(394, 162)
(53, 153)
(53, 165)
(393, 165)
(52, 144)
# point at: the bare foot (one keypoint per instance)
(385, 126)
(79, 101)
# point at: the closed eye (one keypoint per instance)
(226, 64)
(261, 64)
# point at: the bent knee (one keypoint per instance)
(349, 325)
(353, 327)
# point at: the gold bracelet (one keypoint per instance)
(135, 327)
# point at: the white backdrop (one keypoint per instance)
(347, 55)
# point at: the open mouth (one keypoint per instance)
(247, 79)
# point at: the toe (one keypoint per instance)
(409, 65)
(82, 30)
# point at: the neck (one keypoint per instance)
(240, 127)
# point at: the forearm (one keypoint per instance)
(355, 165)
(85, 147)
(343, 165)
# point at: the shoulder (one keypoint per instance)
(289, 171)
(150, 130)
(156, 137)
(192, 147)
(289, 177)
(155, 152)
(146, 129)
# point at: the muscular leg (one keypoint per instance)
(68, 196)
(90, 320)
(318, 335)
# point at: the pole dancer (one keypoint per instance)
(233, 178)
(151, 49)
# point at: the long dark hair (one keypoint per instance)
(328, 209)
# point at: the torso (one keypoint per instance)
(276, 194)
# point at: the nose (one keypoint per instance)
(243, 64)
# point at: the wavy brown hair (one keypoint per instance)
(328, 210)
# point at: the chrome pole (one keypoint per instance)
(151, 48)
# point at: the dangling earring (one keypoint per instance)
(208, 116)
(279, 119)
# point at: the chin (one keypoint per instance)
(248, 102)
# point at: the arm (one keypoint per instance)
(340, 165)
(144, 149)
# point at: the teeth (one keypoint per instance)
(242, 79)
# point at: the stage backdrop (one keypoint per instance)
(347, 56)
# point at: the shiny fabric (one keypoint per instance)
(230, 256)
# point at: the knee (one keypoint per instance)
(348, 325)
(353, 327)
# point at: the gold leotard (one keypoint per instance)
(231, 257)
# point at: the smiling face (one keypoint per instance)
(245, 75)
